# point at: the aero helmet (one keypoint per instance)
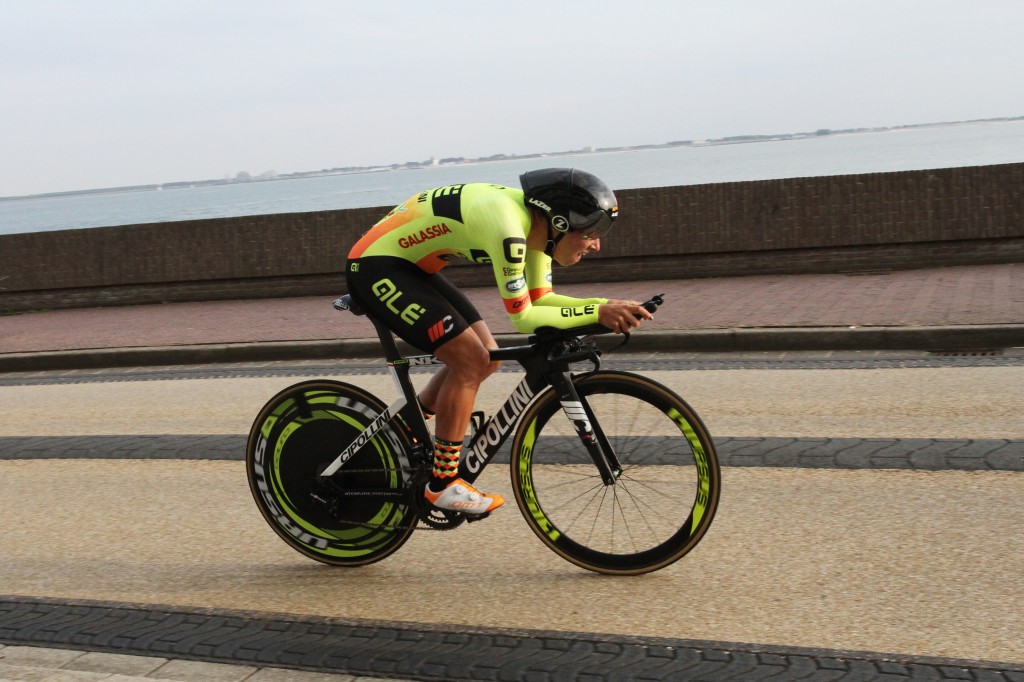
(573, 200)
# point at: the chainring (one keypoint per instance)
(430, 517)
(439, 519)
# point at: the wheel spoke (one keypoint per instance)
(640, 522)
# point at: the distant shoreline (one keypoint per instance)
(244, 177)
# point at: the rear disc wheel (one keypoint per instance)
(359, 516)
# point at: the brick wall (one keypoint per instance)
(828, 224)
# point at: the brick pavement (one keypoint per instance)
(920, 454)
(967, 296)
(362, 649)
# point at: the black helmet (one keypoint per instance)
(572, 199)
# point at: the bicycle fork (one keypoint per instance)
(579, 412)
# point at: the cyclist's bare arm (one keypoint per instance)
(622, 316)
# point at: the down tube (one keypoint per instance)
(495, 431)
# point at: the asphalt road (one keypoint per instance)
(919, 563)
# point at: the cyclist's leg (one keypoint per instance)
(388, 287)
(428, 396)
(407, 300)
(458, 300)
(429, 313)
(467, 365)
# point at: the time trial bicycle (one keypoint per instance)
(612, 471)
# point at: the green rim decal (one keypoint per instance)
(347, 542)
(526, 482)
(703, 475)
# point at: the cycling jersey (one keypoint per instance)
(482, 223)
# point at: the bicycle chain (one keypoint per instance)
(423, 525)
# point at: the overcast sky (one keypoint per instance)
(102, 93)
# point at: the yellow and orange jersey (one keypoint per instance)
(482, 223)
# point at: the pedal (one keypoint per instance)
(473, 518)
(439, 519)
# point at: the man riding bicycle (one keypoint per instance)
(393, 270)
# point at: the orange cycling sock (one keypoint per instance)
(446, 463)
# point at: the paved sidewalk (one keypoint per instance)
(966, 307)
(69, 665)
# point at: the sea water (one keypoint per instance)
(916, 148)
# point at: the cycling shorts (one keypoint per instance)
(425, 310)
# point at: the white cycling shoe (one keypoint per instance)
(462, 497)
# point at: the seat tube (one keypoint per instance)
(579, 412)
(387, 340)
(399, 367)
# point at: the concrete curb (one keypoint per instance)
(933, 338)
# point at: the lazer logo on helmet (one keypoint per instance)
(560, 223)
(540, 204)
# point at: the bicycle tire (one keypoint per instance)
(295, 436)
(661, 505)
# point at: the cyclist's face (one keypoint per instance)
(574, 246)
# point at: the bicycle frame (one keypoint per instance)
(339, 474)
(543, 369)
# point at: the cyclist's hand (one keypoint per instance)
(621, 316)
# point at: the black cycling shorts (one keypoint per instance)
(423, 309)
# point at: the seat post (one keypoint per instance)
(387, 340)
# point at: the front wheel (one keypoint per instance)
(661, 504)
(362, 513)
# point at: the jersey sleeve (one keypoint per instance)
(523, 277)
(531, 303)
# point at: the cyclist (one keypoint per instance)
(393, 270)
